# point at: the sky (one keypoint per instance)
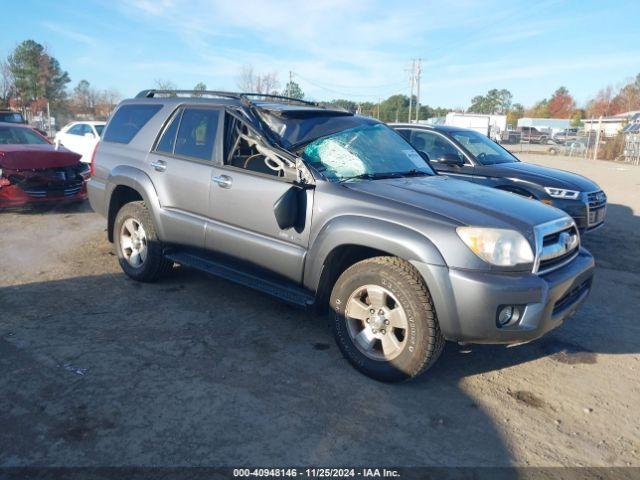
(353, 49)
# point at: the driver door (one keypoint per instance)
(244, 192)
(442, 153)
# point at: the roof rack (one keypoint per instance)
(194, 93)
(214, 93)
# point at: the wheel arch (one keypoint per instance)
(350, 239)
(127, 184)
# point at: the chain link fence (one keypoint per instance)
(623, 147)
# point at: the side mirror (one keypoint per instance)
(89, 135)
(290, 209)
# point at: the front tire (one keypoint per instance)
(383, 319)
(139, 250)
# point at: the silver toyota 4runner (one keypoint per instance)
(321, 207)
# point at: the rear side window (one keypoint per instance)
(168, 140)
(197, 133)
(128, 121)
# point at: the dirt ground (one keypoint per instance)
(99, 370)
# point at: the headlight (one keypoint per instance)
(562, 193)
(505, 248)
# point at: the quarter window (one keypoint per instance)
(128, 121)
(168, 140)
(197, 133)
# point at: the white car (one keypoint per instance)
(80, 137)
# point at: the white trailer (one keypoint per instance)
(490, 125)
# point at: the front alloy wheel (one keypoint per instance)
(376, 322)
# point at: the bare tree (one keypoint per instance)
(162, 84)
(249, 81)
(6, 82)
(267, 83)
(246, 79)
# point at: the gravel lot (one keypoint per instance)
(98, 370)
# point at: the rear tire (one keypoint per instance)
(139, 250)
(383, 319)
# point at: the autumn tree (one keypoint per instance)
(561, 104)
(539, 110)
(601, 104)
(515, 112)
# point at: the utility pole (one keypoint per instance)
(290, 81)
(411, 79)
(418, 73)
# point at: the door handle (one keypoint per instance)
(223, 181)
(159, 165)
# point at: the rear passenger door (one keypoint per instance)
(180, 166)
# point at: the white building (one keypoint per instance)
(609, 126)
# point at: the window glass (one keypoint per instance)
(20, 136)
(484, 150)
(76, 130)
(99, 129)
(11, 117)
(168, 139)
(197, 133)
(368, 151)
(434, 145)
(127, 122)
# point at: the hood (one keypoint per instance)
(463, 202)
(547, 177)
(29, 157)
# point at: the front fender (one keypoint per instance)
(140, 182)
(394, 239)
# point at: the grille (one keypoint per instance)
(596, 199)
(597, 204)
(558, 248)
(571, 297)
(62, 190)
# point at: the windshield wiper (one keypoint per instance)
(368, 176)
(379, 176)
(412, 173)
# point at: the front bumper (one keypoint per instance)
(587, 217)
(15, 196)
(467, 302)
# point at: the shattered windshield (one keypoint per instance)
(366, 152)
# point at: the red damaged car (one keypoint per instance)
(33, 171)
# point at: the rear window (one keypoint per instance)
(11, 117)
(127, 122)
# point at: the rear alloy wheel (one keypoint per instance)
(383, 319)
(133, 242)
(139, 250)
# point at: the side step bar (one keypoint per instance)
(289, 293)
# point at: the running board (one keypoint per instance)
(289, 293)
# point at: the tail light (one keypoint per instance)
(4, 182)
(92, 168)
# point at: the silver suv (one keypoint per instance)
(323, 208)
